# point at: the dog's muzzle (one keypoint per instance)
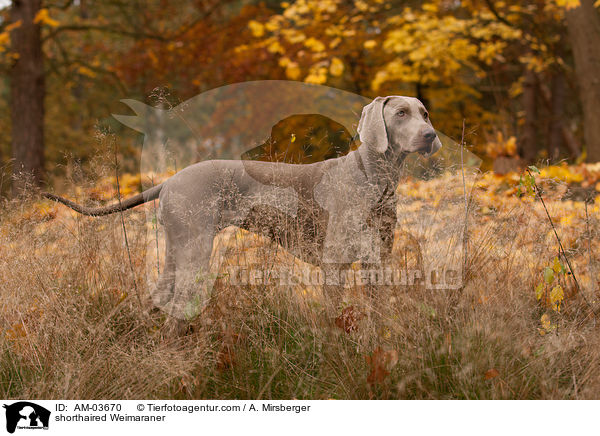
(428, 142)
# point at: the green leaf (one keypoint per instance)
(530, 189)
(427, 309)
(534, 169)
(548, 275)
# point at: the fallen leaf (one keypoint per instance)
(545, 320)
(225, 358)
(381, 362)
(348, 320)
(491, 373)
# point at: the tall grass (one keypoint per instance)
(71, 325)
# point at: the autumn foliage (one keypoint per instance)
(76, 322)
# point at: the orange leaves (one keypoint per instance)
(16, 331)
(502, 146)
(349, 319)
(20, 332)
(490, 374)
(380, 364)
(226, 356)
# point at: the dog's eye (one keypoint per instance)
(426, 115)
(400, 113)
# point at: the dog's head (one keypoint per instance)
(398, 125)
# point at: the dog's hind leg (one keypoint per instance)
(190, 280)
(163, 292)
(193, 279)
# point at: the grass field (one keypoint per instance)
(73, 324)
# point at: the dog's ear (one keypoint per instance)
(371, 127)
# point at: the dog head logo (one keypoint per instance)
(26, 415)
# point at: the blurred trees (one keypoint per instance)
(524, 70)
(584, 32)
(505, 66)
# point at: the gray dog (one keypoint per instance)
(330, 213)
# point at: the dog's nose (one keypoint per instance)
(429, 135)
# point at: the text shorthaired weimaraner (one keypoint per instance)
(329, 213)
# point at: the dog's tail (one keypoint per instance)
(136, 200)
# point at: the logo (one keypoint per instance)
(26, 415)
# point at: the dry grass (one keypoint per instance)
(72, 326)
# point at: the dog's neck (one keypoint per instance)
(380, 169)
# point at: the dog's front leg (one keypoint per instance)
(335, 282)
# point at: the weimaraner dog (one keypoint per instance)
(329, 213)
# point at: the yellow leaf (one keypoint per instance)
(568, 4)
(539, 291)
(257, 29)
(336, 68)
(556, 297)
(284, 61)
(85, 71)
(292, 71)
(42, 17)
(545, 320)
(336, 41)
(430, 7)
(317, 79)
(361, 5)
(556, 265)
(13, 26)
(275, 47)
(372, 43)
(314, 44)
(4, 40)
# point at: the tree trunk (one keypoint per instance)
(568, 137)
(583, 24)
(27, 97)
(528, 138)
(420, 91)
(557, 114)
